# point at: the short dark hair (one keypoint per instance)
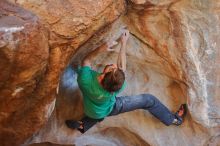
(113, 80)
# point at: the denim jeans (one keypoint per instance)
(130, 103)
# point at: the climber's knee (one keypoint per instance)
(150, 100)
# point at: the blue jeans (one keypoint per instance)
(130, 103)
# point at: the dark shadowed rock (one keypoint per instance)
(172, 53)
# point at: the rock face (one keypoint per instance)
(183, 34)
(24, 56)
(172, 53)
(32, 60)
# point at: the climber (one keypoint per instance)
(99, 92)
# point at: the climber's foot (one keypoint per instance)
(75, 125)
(180, 115)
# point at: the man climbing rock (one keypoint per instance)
(99, 92)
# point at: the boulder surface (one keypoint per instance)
(172, 53)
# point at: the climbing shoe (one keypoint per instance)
(75, 125)
(180, 114)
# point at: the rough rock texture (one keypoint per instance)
(48, 144)
(24, 55)
(172, 53)
(30, 69)
(184, 34)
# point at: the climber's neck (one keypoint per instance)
(100, 78)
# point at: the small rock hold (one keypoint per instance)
(2, 43)
(138, 1)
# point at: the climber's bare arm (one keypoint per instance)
(121, 62)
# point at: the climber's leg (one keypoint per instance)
(147, 102)
(83, 125)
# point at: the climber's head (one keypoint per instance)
(113, 78)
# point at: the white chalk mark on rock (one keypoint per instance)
(49, 109)
(198, 77)
(11, 29)
(16, 91)
(8, 35)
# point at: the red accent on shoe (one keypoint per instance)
(182, 110)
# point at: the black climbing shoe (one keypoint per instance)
(180, 115)
(75, 125)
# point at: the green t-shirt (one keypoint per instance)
(98, 102)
